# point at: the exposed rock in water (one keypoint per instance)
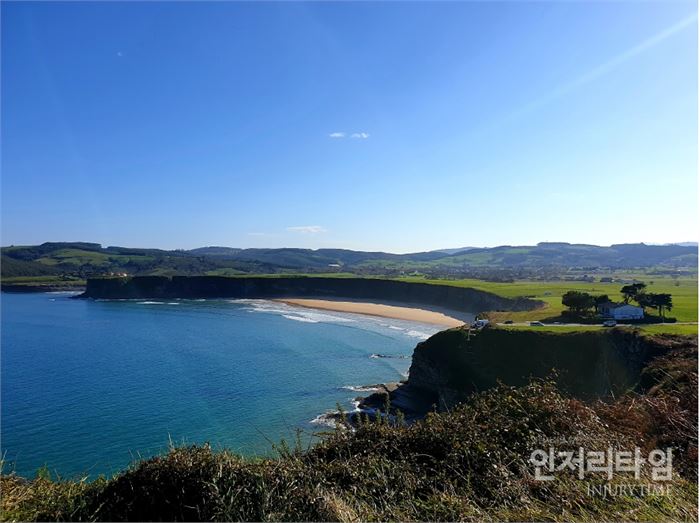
(411, 401)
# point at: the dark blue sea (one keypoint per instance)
(89, 386)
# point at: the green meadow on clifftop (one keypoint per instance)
(684, 290)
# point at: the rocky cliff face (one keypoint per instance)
(446, 296)
(455, 363)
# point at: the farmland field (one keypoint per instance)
(82, 257)
(683, 289)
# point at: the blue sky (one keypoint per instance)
(379, 126)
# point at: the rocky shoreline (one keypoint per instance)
(454, 364)
(384, 399)
(401, 396)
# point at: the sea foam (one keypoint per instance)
(292, 313)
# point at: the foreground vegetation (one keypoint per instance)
(468, 464)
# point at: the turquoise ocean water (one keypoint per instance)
(88, 386)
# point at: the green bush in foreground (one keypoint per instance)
(468, 464)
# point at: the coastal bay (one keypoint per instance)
(112, 380)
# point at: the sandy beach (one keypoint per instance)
(376, 309)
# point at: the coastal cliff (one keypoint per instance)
(444, 296)
(454, 364)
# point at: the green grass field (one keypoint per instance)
(80, 257)
(683, 290)
(670, 328)
(665, 328)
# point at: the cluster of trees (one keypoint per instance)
(580, 303)
(662, 302)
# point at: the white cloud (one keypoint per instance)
(342, 134)
(307, 229)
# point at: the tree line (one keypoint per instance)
(580, 303)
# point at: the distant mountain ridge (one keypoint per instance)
(685, 244)
(454, 251)
(85, 258)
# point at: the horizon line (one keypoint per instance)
(441, 249)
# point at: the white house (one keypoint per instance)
(620, 311)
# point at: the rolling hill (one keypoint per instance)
(81, 259)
